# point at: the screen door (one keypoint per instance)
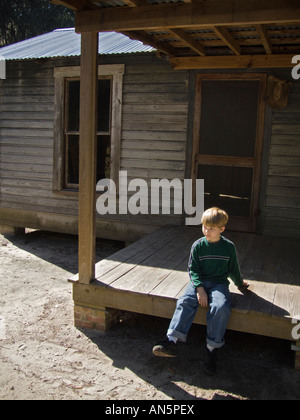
(227, 144)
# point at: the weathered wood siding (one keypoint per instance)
(154, 126)
(154, 144)
(154, 122)
(26, 136)
(282, 212)
(26, 139)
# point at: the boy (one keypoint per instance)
(212, 260)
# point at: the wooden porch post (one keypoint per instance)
(87, 156)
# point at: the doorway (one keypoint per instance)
(227, 144)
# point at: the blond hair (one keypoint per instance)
(215, 217)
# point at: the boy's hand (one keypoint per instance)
(202, 297)
(244, 286)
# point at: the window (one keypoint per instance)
(66, 125)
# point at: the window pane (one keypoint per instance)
(227, 187)
(73, 159)
(103, 157)
(104, 101)
(73, 105)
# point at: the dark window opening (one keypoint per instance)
(72, 106)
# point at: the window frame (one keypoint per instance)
(61, 74)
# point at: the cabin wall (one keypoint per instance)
(26, 146)
(157, 118)
(282, 201)
(154, 121)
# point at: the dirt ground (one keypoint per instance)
(43, 356)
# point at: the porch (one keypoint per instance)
(150, 275)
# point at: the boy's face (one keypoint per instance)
(212, 233)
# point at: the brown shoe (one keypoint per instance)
(165, 348)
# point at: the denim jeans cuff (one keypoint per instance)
(213, 344)
(180, 336)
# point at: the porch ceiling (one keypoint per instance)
(207, 29)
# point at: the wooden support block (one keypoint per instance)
(297, 361)
(97, 318)
(11, 230)
(297, 355)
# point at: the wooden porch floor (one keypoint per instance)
(149, 276)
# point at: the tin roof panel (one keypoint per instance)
(66, 43)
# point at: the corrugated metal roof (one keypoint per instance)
(66, 43)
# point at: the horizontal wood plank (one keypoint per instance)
(233, 62)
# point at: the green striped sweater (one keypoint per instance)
(215, 262)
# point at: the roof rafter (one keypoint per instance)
(188, 40)
(136, 3)
(227, 39)
(149, 40)
(76, 5)
(263, 33)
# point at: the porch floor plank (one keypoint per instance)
(149, 275)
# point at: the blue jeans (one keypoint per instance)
(217, 316)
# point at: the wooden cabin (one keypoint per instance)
(216, 97)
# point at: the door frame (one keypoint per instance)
(244, 224)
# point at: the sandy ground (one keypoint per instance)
(43, 356)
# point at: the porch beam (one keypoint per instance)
(87, 156)
(191, 15)
(233, 62)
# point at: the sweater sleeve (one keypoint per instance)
(194, 268)
(234, 269)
